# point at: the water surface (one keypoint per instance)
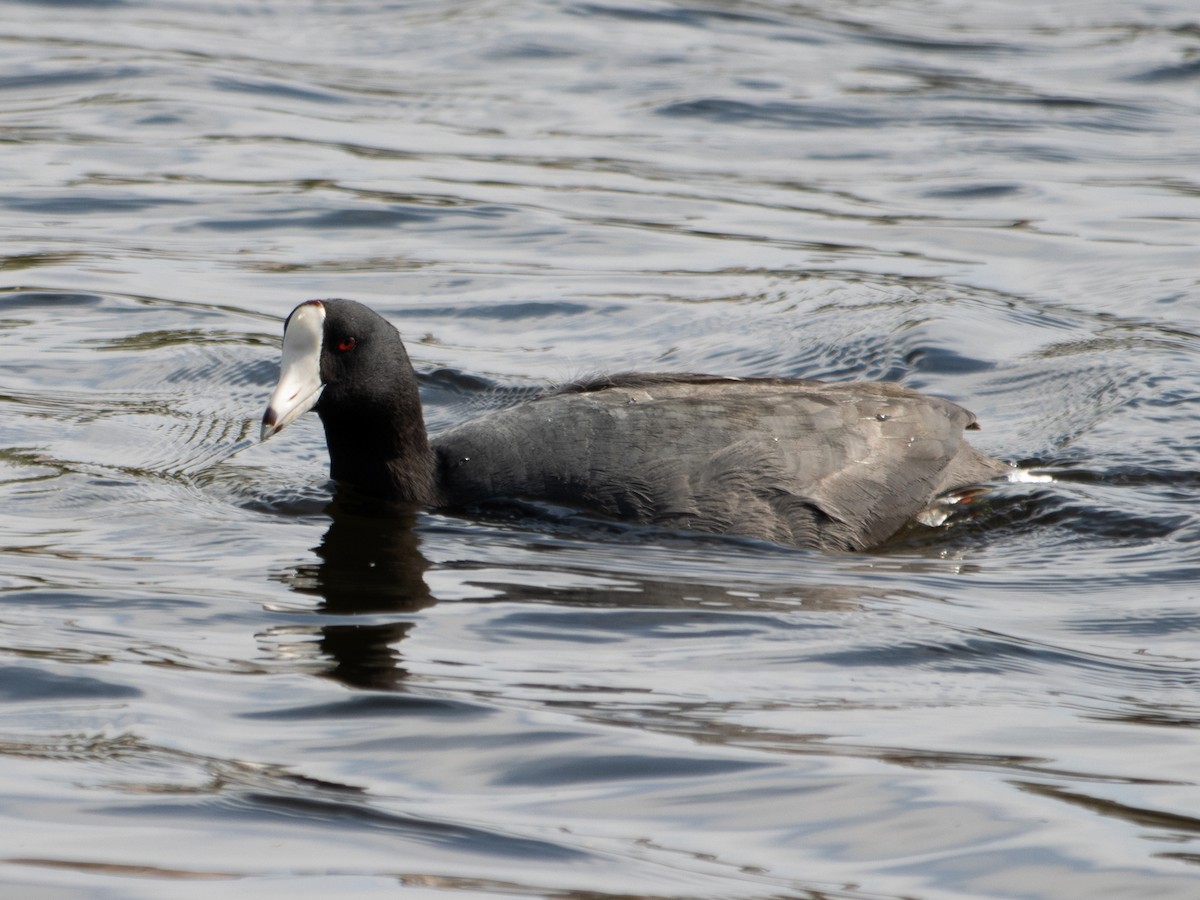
(212, 681)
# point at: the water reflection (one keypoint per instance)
(369, 564)
(571, 574)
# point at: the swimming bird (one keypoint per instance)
(834, 466)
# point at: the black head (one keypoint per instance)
(348, 363)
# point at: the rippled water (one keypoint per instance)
(214, 683)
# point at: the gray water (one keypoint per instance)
(214, 684)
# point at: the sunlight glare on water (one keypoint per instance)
(213, 681)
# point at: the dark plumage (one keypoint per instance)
(807, 463)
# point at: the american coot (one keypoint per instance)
(807, 463)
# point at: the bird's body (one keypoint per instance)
(805, 463)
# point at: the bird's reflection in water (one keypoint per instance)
(370, 576)
(369, 566)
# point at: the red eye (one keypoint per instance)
(345, 345)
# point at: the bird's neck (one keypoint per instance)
(392, 462)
